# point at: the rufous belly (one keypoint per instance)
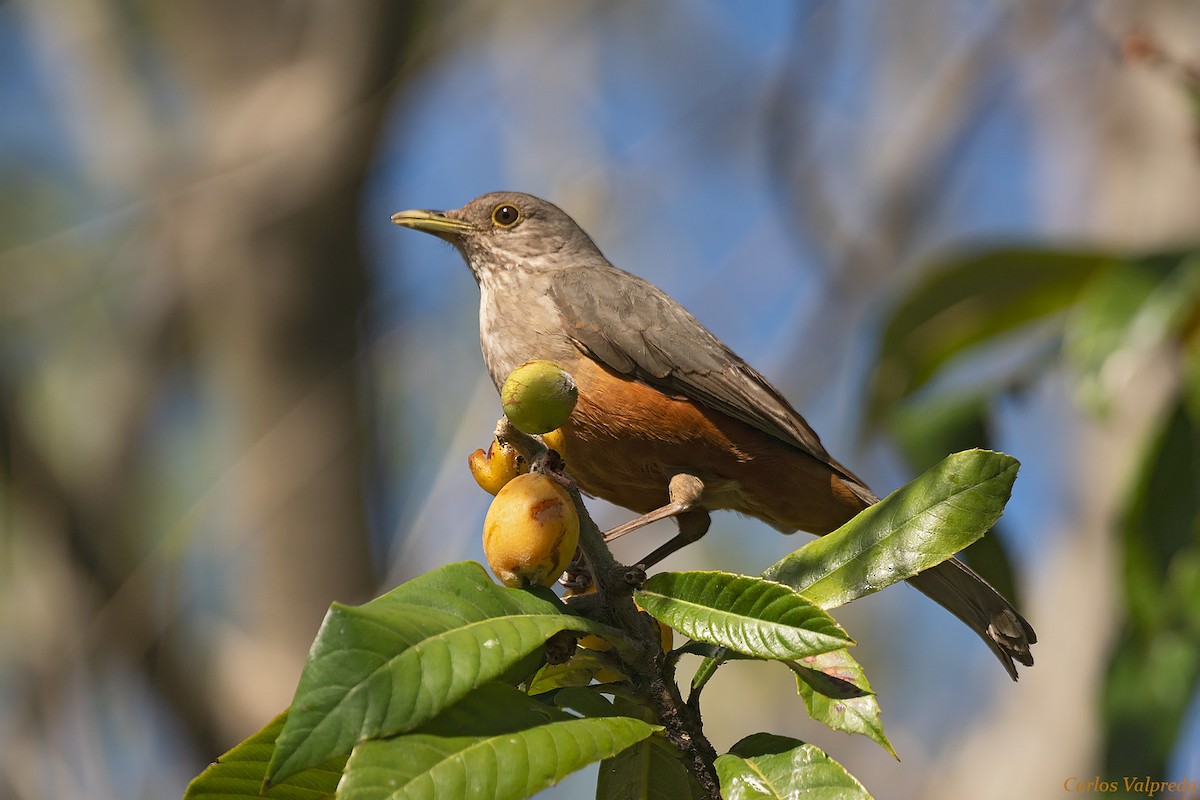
(625, 440)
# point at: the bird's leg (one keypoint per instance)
(685, 492)
(692, 525)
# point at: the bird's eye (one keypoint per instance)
(506, 215)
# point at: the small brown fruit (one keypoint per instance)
(538, 396)
(530, 532)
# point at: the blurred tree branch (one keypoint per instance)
(252, 281)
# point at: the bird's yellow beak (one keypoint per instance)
(434, 222)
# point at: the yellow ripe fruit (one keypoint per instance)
(666, 636)
(530, 532)
(538, 396)
(594, 642)
(556, 441)
(493, 469)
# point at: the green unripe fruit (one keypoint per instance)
(538, 396)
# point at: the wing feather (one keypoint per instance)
(636, 329)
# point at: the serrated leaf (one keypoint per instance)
(836, 693)
(757, 617)
(496, 744)
(240, 773)
(388, 666)
(912, 529)
(925, 429)
(465, 590)
(778, 767)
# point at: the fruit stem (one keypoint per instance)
(653, 672)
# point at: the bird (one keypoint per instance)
(669, 421)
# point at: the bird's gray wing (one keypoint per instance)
(636, 329)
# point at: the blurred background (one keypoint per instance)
(231, 392)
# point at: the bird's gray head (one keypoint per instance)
(507, 230)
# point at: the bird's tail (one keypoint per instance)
(965, 594)
(961, 591)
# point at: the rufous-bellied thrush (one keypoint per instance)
(670, 422)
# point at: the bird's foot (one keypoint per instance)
(685, 492)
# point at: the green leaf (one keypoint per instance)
(650, 770)
(926, 430)
(1155, 668)
(1124, 310)
(490, 710)
(912, 529)
(465, 590)
(777, 767)
(969, 300)
(1149, 687)
(828, 676)
(706, 650)
(836, 693)
(714, 656)
(750, 615)
(579, 671)
(703, 674)
(496, 744)
(1161, 519)
(833, 686)
(388, 666)
(587, 702)
(240, 773)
